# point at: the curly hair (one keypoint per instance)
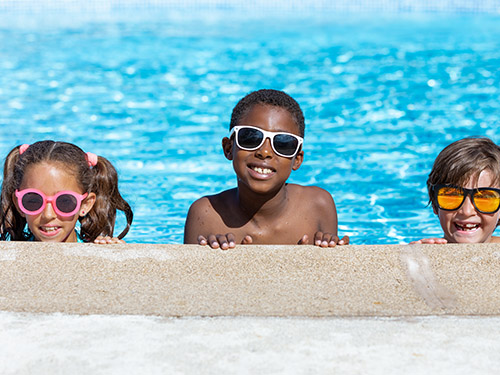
(269, 97)
(462, 160)
(101, 179)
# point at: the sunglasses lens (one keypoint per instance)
(286, 144)
(250, 138)
(66, 203)
(487, 200)
(450, 198)
(32, 201)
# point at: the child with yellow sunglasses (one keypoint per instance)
(464, 190)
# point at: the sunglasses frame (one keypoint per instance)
(467, 192)
(49, 199)
(267, 134)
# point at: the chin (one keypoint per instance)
(468, 240)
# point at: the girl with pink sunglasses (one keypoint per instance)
(48, 187)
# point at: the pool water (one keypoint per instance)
(154, 93)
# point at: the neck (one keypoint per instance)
(71, 237)
(267, 205)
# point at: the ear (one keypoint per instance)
(87, 204)
(297, 160)
(227, 147)
(435, 210)
(14, 200)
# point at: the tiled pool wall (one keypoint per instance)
(470, 6)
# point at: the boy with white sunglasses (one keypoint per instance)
(265, 145)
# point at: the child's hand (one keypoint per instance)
(224, 241)
(105, 240)
(429, 241)
(325, 240)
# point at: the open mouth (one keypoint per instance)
(50, 231)
(265, 171)
(467, 227)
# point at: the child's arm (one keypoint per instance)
(326, 213)
(203, 227)
(329, 240)
(325, 240)
(224, 241)
(105, 240)
(429, 241)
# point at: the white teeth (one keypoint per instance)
(49, 229)
(468, 226)
(262, 170)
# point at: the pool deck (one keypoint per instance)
(306, 281)
(128, 309)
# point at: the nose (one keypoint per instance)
(266, 150)
(48, 212)
(468, 208)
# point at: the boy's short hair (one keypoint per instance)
(270, 97)
(463, 159)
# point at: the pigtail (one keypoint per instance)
(101, 218)
(12, 223)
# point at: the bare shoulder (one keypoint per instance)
(205, 215)
(201, 206)
(207, 206)
(312, 196)
(495, 239)
(315, 208)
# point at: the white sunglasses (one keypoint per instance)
(251, 138)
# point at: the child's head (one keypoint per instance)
(268, 97)
(470, 163)
(79, 187)
(265, 143)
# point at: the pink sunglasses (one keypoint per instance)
(64, 203)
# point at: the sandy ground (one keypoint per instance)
(98, 344)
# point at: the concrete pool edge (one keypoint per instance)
(270, 280)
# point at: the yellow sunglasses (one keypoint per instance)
(485, 199)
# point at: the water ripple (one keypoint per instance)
(381, 99)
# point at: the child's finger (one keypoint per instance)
(429, 241)
(223, 241)
(212, 241)
(230, 240)
(247, 240)
(344, 241)
(304, 240)
(109, 240)
(202, 240)
(332, 242)
(434, 241)
(100, 240)
(318, 238)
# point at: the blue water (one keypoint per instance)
(154, 93)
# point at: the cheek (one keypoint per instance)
(493, 221)
(32, 220)
(445, 218)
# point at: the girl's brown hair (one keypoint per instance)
(462, 160)
(100, 179)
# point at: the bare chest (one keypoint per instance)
(288, 229)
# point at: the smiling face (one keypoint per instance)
(467, 225)
(261, 170)
(51, 178)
